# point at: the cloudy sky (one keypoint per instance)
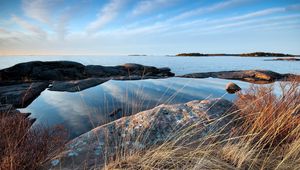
(109, 27)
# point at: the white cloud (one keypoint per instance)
(30, 27)
(205, 25)
(146, 6)
(208, 9)
(40, 10)
(258, 14)
(106, 15)
(61, 26)
(53, 14)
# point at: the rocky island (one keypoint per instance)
(254, 54)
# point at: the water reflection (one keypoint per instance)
(81, 111)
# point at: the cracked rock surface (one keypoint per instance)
(143, 130)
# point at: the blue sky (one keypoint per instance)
(158, 27)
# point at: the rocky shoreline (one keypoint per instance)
(22, 83)
(252, 76)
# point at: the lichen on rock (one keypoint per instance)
(144, 130)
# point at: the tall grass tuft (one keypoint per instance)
(23, 147)
(267, 137)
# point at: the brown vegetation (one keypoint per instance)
(23, 147)
(268, 138)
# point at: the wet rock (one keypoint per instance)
(76, 85)
(253, 76)
(21, 95)
(144, 130)
(232, 88)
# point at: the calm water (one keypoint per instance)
(81, 111)
(179, 65)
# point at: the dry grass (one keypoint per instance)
(268, 138)
(23, 147)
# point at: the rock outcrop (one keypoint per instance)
(20, 95)
(22, 83)
(253, 76)
(143, 130)
(68, 70)
(43, 71)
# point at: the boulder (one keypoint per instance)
(232, 88)
(21, 95)
(142, 130)
(76, 85)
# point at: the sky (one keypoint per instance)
(153, 27)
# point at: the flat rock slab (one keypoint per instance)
(79, 85)
(21, 95)
(76, 85)
(143, 130)
(253, 76)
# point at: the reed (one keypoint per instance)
(267, 137)
(23, 147)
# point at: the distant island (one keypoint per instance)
(255, 54)
(137, 55)
(265, 54)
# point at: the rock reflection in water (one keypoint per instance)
(82, 111)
